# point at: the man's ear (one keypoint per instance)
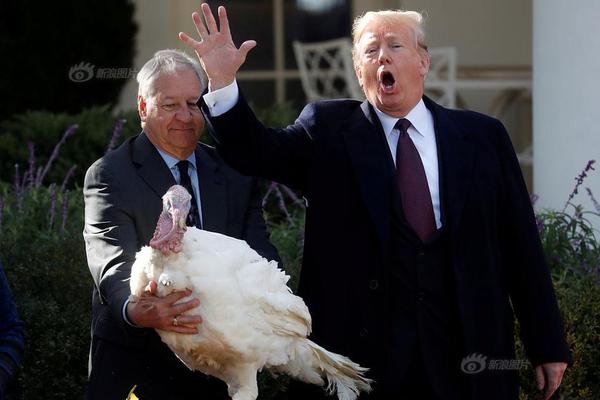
(358, 75)
(142, 107)
(424, 65)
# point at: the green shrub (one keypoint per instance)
(95, 127)
(573, 253)
(45, 266)
(44, 129)
(579, 301)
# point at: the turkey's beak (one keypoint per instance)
(179, 219)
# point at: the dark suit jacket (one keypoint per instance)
(123, 193)
(337, 154)
(11, 335)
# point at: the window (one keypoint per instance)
(270, 74)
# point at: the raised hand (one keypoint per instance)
(217, 53)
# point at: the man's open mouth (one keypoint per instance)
(387, 80)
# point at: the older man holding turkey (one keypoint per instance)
(123, 193)
(420, 237)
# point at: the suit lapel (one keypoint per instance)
(213, 192)
(372, 165)
(152, 168)
(455, 160)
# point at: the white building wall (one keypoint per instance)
(566, 109)
(159, 23)
(484, 32)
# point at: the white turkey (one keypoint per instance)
(251, 319)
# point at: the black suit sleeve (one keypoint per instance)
(529, 280)
(11, 334)
(281, 155)
(110, 237)
(255, 230)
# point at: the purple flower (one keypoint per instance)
(68, 133)
(279, 191)
(52, 190)
(116, 133)
(65, 210)
(18, 188)
(533, 198)
(594, 201)
(292, 195)
(31, 171)
(266, 196)
(540, 225)
(67, 178)
(282, 206)
(38, 175)
(580, 178)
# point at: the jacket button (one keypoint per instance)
(373, 284)
(363, 332)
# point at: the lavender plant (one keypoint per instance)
(42, 253)
(569, 238)
(117, 132)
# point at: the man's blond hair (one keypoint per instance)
(414, 20)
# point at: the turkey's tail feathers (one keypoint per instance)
(344, 377)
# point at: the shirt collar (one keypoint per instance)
(418, 118)
(172, 161)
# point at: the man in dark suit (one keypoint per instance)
(122, 203)
(420, 237)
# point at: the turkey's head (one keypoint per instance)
(170, 227)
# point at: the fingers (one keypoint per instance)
(200, 28)
(187, 40)
(550, 376)
(539, 377)
(186, 324)
(223, 21)
(174, 297)
(188, 320)
(246, 47)
(554, 375)
(180, 308)
(211, 24)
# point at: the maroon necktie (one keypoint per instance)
(412, 184)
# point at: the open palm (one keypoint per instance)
(217, 53)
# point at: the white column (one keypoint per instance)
(566, 100)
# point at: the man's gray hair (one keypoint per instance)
(166, 61)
